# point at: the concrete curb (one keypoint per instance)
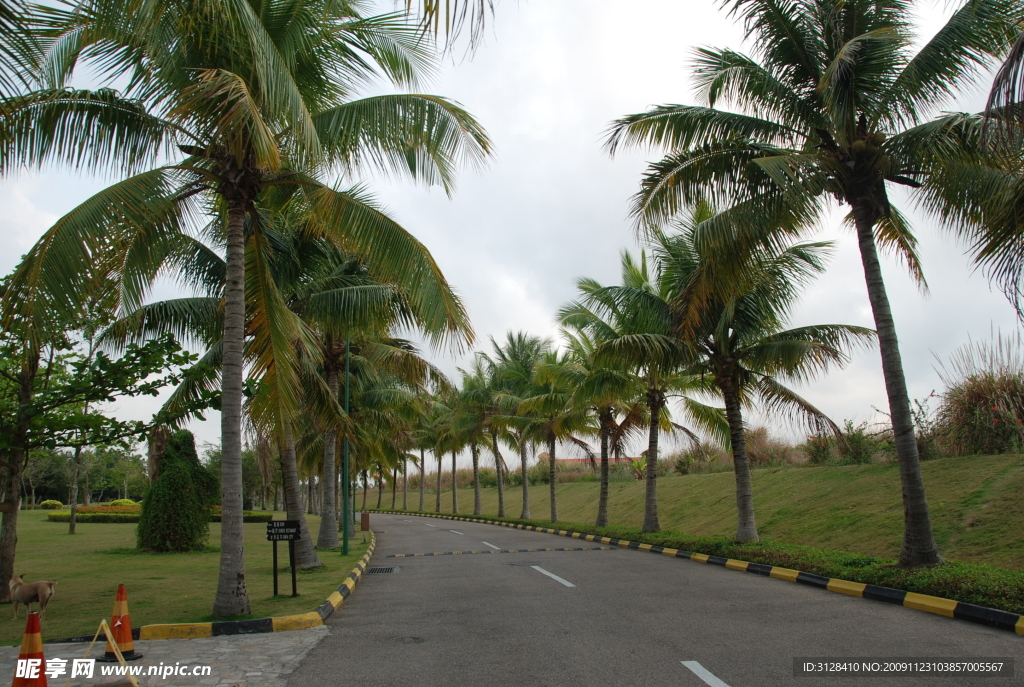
(256, 626)
(949, 608)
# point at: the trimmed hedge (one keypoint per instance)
(975, 583)
(50, 504)
(123, 502)
(65, 516)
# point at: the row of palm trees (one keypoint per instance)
(625, 362)
(836, 106)
(228, 122)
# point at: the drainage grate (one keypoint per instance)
(381, 571)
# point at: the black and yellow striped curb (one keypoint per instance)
(992, 617)
(462, 553)
(256, 626)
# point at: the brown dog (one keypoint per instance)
(37, 592)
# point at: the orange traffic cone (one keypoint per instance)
(31, 664)
(121, 628)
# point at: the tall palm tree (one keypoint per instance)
(515, 363)
(471, 419)
(834, 106)
(642, 339)
(604, 391)
(254, 111)
(557, 418)
(739, 338)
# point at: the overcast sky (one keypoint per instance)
(552, 206)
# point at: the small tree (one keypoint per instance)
(175, 511)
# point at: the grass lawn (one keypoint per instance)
(162, 588)
(975, 504)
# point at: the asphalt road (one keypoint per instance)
(629, 618)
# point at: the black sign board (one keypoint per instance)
(283, 530)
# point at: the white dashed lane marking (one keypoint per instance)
(704, 674)
(491, 545)
(552, 575)
(455, 532)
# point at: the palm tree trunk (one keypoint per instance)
(405, 483)
(232, 597)
(655, 401)
(328, 536)
(305, 554)
(477, 507)
(423, 478)
(394, 487)
(380, 488)
(497, 469)
(602, 501)
(310, 496)
(553, 479)
(437, 492)
(746, 526)
(455, 485)
(526, 483)
(919, 548)
(366, 488)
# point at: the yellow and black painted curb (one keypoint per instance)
(992, 617)
(256, 626)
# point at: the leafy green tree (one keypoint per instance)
(834, 106)
(176, 509)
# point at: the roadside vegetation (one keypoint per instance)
(238, 149)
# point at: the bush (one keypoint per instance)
(858, 446)
(123, 502)
(982, 409)
(175, 513)
(764, 450)
(488, 477)
(65, 516)
(50, 504)
(818, 448)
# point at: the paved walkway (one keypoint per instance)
(262, 660)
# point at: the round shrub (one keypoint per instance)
(50, 504)
(123, 502)
(175, 512)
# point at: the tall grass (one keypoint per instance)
(982, 409)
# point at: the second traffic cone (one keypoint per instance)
(121, 629)
(31, 664)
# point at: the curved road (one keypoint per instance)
(607, 617)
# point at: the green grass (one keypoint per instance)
(162, 588)
(975, 505)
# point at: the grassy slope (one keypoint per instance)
(162, 588)
(975, 504)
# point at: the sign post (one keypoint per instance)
(289, 531)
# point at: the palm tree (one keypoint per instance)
(254, 112)
(515, 363)
(739, 340)
(471, 418)
(642, 339)
(834, 108)
(558, 419)
(604, 391)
